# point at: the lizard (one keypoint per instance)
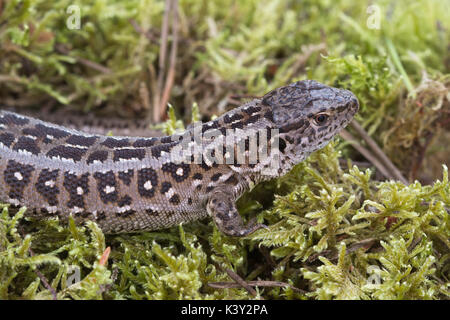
(132, 184)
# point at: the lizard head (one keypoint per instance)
(308, 115)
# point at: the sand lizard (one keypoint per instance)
(131, 184)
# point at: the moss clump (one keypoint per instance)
(336, 231)
(398, 231)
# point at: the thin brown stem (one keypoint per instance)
(256, 283)
(173, 55)
(44, 279)
(417, 163)
(162, 61)
(366, 153)
(83, 61)
(241, 282)
(378, 152)
(149, 35)
(238, 280)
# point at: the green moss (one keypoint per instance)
(335, 231)
(386, 224)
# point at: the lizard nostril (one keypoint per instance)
(353, 103)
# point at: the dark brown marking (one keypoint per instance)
(128, 154)
(156, 150)
(101, 216)
(251, 119)
(100, 155)
(165, 186)
(48, 190)
(33, 132)
(67, 153)
(85, 214)
(293, 126)
(73, 183)
(54, 132)
(17, 176)
(116, 143)
(232, 180)
(146, 175)
(27, 144)
(81, 140)
(175, 199)
(282, 145)
(142, 142)
(197, 176)
(166, 139)
(7, 139)
(125, 201)
(9, 118)
(151, 211)
(269, 116)
(237, 125)
(211, 159)
(107, 186)
(341, 109)
(251, 109)
(45, 212)
(289, 139)
(231, 118)
(126, 176)
(179, 172)
(210, 126)
(126, 213)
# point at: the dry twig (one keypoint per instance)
(241, 282)
(88, 63)
(173, 55)
(148, 34)
(256, 283)
(366, 153)
(162, 61)
(39, 274)
(44, 279)
(378, 152)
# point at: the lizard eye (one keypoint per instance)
(321, 119)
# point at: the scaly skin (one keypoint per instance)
(131, 184)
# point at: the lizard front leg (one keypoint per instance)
(222, 208)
